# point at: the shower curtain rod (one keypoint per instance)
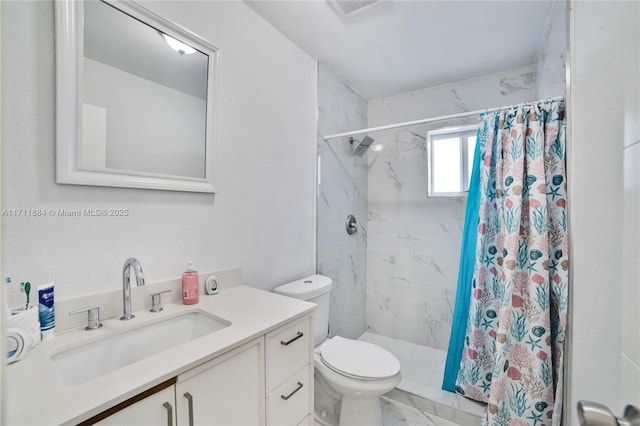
(425, 120)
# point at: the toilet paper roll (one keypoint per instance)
(29, 322)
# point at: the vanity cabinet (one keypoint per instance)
(268, 380)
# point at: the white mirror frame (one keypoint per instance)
(69, 25)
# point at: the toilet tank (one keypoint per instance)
(315, 289)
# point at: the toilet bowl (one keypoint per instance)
(360, 372)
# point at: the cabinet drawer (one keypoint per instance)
(292, 410)
(288, 350)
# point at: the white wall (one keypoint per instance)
(261, 219)
(604, 185)
(342, 191)
(413, 241)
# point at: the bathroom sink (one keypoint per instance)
(89, 361)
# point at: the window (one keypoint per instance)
(450, 156)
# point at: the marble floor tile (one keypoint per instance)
(424, 366)
(395, 413)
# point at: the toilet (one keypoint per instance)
(358, 371)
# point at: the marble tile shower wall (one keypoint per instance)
(551, 59)
(413, 242)
(342, 191)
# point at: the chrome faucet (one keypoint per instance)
(126, 285)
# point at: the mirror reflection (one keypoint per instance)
(143, 100)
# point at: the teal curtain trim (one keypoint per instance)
(465, 277)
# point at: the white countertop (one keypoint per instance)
(36, 395)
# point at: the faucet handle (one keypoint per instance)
(156, 302)
(93, 317)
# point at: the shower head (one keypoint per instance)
(361, 146)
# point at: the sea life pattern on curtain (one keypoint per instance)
(513, 350)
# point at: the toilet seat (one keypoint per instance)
(358, 360)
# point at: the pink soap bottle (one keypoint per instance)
(190, 285)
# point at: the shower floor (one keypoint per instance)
(422, 371)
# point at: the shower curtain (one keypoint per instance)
(512, 353)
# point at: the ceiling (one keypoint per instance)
(399, 46)
(139, 49)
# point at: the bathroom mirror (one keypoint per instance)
(135, 99)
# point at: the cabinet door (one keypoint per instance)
(156, 409)
(228, 390)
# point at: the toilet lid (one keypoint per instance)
(359, 359)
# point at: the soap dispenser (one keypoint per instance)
(190, 285)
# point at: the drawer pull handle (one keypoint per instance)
(190, 400)
(287, 343)
(292, 393)
(169, 409)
